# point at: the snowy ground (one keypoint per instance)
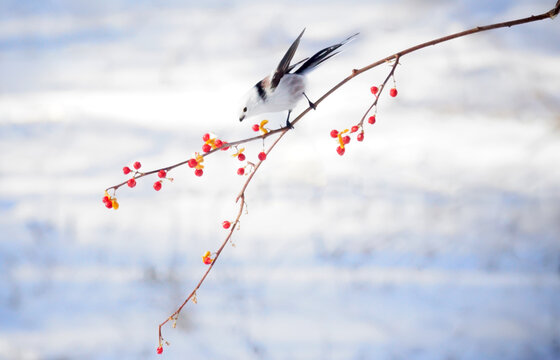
(436, 238)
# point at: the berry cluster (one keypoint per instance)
(196, 163)
(211, 142)
(260, 127)
(110, 202)
(207, 259)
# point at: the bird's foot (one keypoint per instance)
(289, 125)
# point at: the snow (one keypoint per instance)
(435, 238)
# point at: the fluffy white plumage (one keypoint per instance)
(283, 89)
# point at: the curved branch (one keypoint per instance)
(282, 131)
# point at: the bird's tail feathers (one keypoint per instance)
(322, 56)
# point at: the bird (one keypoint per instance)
(285, 87)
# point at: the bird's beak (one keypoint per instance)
(241, 117)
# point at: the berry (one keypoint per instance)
(334, 133)
(198, 172)
(241, 157)
(340, 150)
(137, 165)
(240, 171)
(393, 92)
(157, 186)
(206, 148)
(355, 128)
(218, 143)
(226, 224)
(206, 137)
(371, 119)
(108, 204)
(126, 170)
(374, 90)
(106, 199)
(346, 139)
(131, 183)
(159, 350)
(207, 260)
(114, 204)
(360, 137)
(161, 174)
(262, 156)
(192, 163)
(255, 127)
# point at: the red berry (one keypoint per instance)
(355, 128)
(207, 260)
(131, 183)
(157, 186)
(240, 171)
(159, 349)
(360, 137)
(371, 119)
(206, 148)
(109, 205)
(198, 172)
(393, 92)
(340, 151)
(374, 90)
(161, 174)
(227, 147)
(137, 165)
(334, 133)
(256, 127)
(346, 139)
(206, 137)
(106, 199)
(218, 143)
(262, 156)
(226, 224)
(126, 170)
(192, 163)
(241, 157)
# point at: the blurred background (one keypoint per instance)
(438, 237)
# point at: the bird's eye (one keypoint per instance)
(245, 109)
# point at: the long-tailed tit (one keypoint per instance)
(284, 88)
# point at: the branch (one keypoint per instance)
(396, 57)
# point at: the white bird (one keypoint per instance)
(283, 89)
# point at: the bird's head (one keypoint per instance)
(250, 104)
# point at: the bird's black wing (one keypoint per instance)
(284, 65)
